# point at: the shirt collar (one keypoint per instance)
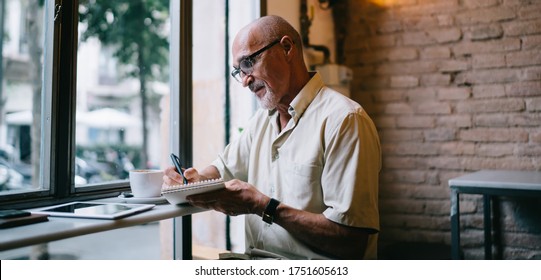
(304, 97)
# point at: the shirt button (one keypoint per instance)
(276, 156)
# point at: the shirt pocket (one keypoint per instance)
(302, 185)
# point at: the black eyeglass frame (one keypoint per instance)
(250, 59)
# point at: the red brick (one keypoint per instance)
(488, 76)
(440, 134)
(491, 120)
(484, 106)
(438, 207)
(529, 151)
(486, 15)
(408, 176)
(407, 68)
(531, 74)
(436, 192)
(525, 119)
(494, 135)
(455, 121)
(518, 28)
(429, 8)
(389, 26)
(495, 150)
(447, 66)
(435, 80)
(400, 162)
(402, 135)
(523, 58)
(416, 23)
(399, 54)
(454, 93)
(533, 104)
(531, 42)
(457, 148)
(488, 91)
(445, 20)
(479, 3)
(445, 162)
(529, 11)
(410, 148)
(445, 35)
(435, 52)
(523, 89)
(415, 122)
(420, 94)
(417, 39)
(503, 163)
(481, 61)
(486, 32)
(404, 81)
(503, 45)
(535, 137)
(433, 108)
(398, 109)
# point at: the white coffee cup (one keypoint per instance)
(146, 182)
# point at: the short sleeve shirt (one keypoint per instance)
(326, 160)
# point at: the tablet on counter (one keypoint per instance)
(97, 210)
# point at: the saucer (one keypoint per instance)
(143, 200)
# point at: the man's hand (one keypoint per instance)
(172, 177)
(237, 198)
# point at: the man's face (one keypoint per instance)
(265, 77)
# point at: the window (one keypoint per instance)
(87, 98)
(85, 85)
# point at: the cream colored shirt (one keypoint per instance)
(326, 160)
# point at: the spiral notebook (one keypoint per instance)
(176, 194)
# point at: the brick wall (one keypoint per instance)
(454, 86)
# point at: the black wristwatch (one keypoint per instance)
(270, 211)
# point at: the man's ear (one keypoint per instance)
(288, 45)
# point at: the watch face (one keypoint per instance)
(267, 219)
(270, 210)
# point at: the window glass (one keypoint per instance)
(122, 88)
(22, 48)
(212, 116)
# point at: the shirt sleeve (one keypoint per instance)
(233, 162)
(350, 177)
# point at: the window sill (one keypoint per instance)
(58, 228)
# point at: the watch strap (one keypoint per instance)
(270, 211)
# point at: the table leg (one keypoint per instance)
(487, 220)
(497, 228)
(455, 225)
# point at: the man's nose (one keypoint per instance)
(247, 80)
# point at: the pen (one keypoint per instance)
(178, 166)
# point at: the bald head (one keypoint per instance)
(267, 29)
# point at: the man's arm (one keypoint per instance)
(322, 234)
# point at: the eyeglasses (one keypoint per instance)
(246, 64)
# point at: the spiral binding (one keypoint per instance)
(191, 186)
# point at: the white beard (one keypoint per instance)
(269, 101)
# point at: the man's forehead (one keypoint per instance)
(244, 43)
